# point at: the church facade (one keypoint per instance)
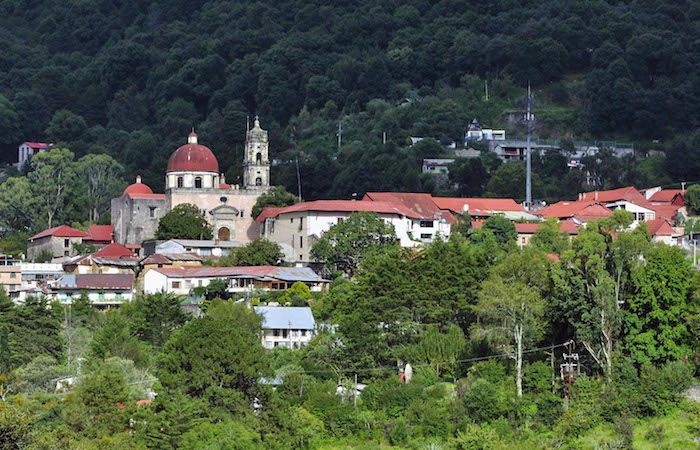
(193, 177)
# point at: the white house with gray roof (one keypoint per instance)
(286, 326)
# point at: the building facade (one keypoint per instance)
(193, 177)
(286, 326)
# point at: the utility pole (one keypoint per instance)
(298, 179)
(569, 370)
(247, 124)
(528, 152)
(384, 137)
(340, 134)
(486, 89)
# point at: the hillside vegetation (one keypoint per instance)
(131, 78)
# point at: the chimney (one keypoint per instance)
(595, 195)
(222, 177)
(138, 179)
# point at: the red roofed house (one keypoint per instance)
(580, 211)
(627, 198)
(479, 208)
(670, 196)
(99, 235)
(296, 228)
(56, 242)
(662, 231)
(27, 150)
(181, 280)
(527, 230)
(102, 289)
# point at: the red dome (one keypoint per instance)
(193, 158)
(137, 188)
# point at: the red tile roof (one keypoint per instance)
(114, 281)
(347, 206)
(660, 227)
(666, 195)
(113, 250)
(629, 193)
(59, 231)
(39, 145)
(584, 210)
(100, 233)
(478, 206)
(268, 212)
(666, 211)
(421, 204)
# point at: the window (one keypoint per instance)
(152, 211)
(276, 332)
(175, 285)
(426, 223)
(13, 275)
(258, 158)
(198, 182)
(258, 181)
(303, 332)
(426, 235)
(66, 253)
(340, 220)
(223, 199)
(66, 243)
(180, 182)
(301, 241)
(301, 223)
(291, 220)
(285, 333)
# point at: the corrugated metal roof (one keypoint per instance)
(290, 274)
(286, 317)
(96, 281)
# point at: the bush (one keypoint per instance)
(476, 437)
(661, 387)
(482, 401)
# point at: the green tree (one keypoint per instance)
(297, 295)
(9, 131)
(502, 228)
(259, 252)
(549, 238)
(66, 126)
(184, 221)
(511, 317)
(52, 182)
(345, 244)
(219, 351)
(18, 206)
(154, 317)
(277, 197)
(439, 350)
(102, 178)
(655, 316)
(226, 435)
(692, 198)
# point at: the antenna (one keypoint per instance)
(528, 151)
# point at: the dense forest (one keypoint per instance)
(483, 324)
(131, 78)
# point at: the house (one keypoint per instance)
(482, 208)
(102, 289)
(296, 228)
(476, 133)
(99, 235)
(157, 261)
(662, 231)
(580, 212)
(10, 278)
(114, 258)
(203, 248)
(27, 150)
(286, 326)
(181, 280)
(669, 196)
(436, 166)
(627, 198)
(56, 242)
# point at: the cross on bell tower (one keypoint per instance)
(256, 163)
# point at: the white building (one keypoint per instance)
(627, 198)
(437, 166)
(204, 248)
(181, 280)
(286, 326)
(101, 289)
(298, 227)
(27, 150)
(476, 133)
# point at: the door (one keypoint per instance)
(224, 234)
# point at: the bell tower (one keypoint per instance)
(256, 163)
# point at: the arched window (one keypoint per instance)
(198, 182)
(224, 234)
(258, 158)
(180, 182)
(258, 181)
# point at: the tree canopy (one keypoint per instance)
(184, 221)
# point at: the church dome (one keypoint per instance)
(137, 188)
(193, 157)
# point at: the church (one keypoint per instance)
(193, 177)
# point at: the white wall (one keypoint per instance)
(295, 338)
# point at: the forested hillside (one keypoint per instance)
(130, 79)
